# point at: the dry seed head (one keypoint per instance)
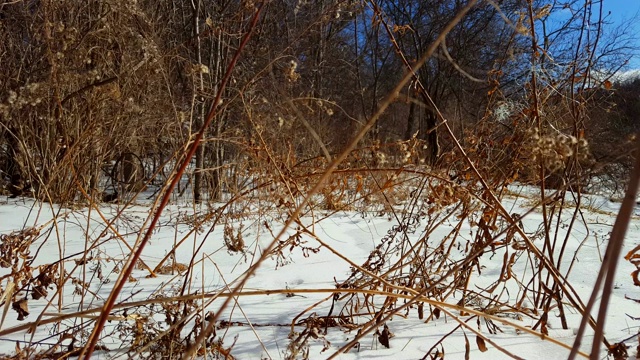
(535, 136)
(291, 73)
(545, 152)
(448, 191)
(573, 140)
(565, 150)
(544, 11)
(555, 164)
(12, 97)
(407, 157)
(582, 143)
(562, 139)
(547, 142)
(582, 155)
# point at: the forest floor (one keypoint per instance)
(283, 310)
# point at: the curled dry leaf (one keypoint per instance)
(172, 268)
(83, 260)
(481, 344)
(467, 347)
(39, 292)
(436, 313)
(618, 351)
(384, 336)
(22, 308)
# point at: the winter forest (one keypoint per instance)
(311, 179)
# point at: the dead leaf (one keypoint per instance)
(467, 348)
(634, 275)
(6, 297)
(618, 351)
(384, 336)
(22, 308)
(481, 345)
(39, 292)
(607, 85)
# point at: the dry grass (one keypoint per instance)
(266, 176)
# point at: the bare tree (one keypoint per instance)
(461, 67)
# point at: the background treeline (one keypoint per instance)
(102, 97)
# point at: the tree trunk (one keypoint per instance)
(129, 172)
(433, 147)
(197, 175)
(200, 109)
(13, 166)
(411, 122)
(218, 54)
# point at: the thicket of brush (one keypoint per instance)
(420, 110)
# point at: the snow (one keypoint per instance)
(320, 252)
(626, 76)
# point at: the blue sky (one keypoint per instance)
(622, 12)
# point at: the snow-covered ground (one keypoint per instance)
(297, 284)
